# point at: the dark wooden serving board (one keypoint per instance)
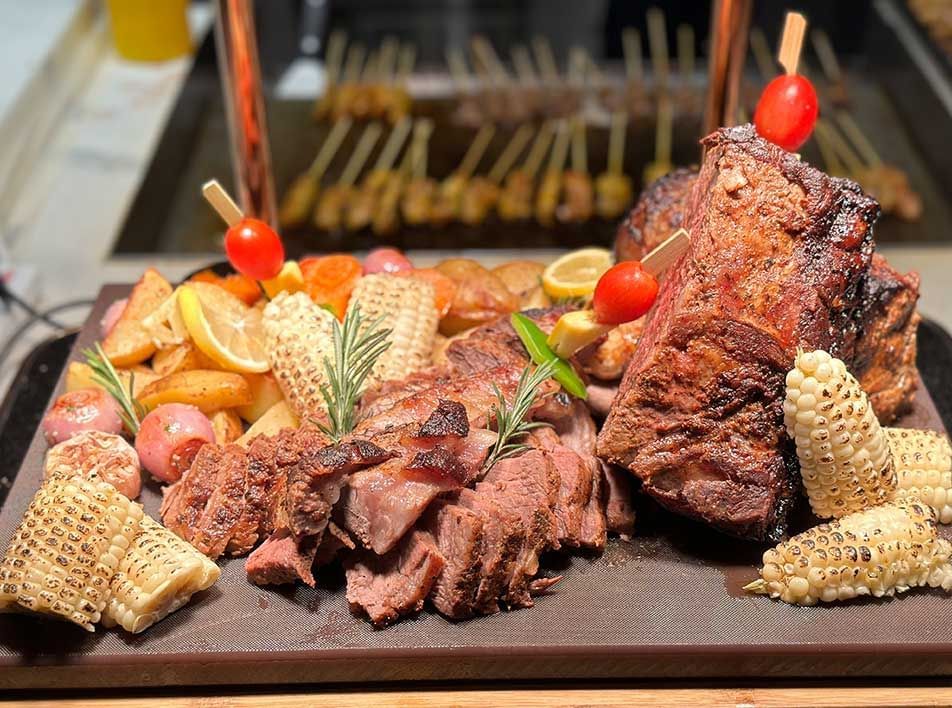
(666, 605)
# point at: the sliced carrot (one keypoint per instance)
(329, 280)
(241, 286)
(445, 287)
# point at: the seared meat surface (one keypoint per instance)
(657, 214)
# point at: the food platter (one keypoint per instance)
(667, 605)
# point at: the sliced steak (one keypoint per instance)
(459, 537)
(777, 257)
(212, 532)
(184, 502)
(575, 489)
(619, 508)
(657, 214)
(593, 534)
(390, 586)
(255, 520)
(497, 344)
(282, 559)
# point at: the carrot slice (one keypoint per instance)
(445, 287)
(241, 286)
(330, 279)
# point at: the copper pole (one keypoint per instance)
(730, 25)
(244, 107)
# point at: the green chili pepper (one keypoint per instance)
(535, 342)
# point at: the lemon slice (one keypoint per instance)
(575, 274)
(223, 327)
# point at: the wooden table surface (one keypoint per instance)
(913, 695)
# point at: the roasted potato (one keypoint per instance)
(524, 280)
(278, 417)
(481, 296)
(180, 357)
(129, 342)
(79, 375)
(206, 389)
(265, 393)
(227, 426)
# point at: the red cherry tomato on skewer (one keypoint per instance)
(254, 249)
(624, 293)
(787, 111)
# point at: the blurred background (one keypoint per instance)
(113, 116)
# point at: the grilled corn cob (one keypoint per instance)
(923, 461)
(879, 551)
(844, 460)
(298, 336)
(159, 574)
(407, 307)
(67, 548)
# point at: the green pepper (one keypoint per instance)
(535, 342)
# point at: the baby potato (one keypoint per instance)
(180, 357)
(129, 342)
(203, 388)
(227, 426)
(265, 393)
(480, 297)
(278, 417)
(79, 375)
(524, 280)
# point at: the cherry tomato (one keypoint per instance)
(624, 293)
(254, 249)
(386, 260)
(787, 111)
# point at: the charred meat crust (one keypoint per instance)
(657, 214)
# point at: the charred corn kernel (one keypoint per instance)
(844, 460)
(66, 549)
(575, 330)
(298, 336)
(923, 461)
(159, 574)
(407, 307)
(880, 551)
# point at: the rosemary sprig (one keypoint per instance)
(511, 424)
(104, 373)
(357, 346)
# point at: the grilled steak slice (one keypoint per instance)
(657, 214)
(777, 255)
(334, 540)
(214, 527)
(390, 586)
(884, 359)
(593, 534)
(184, 502)
(459, 538)
(282, 559)
(503, 537)
(497, 344)
(619, 508)
(575, 489)
(255, 520)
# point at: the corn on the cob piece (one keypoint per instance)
(159, 574)
(923, 461)
(67, 548)
(298, 336)
(844, 460)
(879, 551)
(407, 307)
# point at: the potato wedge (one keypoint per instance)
(79, 375)
(278, 417)
(265, 393)
(180, 357)
(227, 426)
(129, 342)
(206, 389)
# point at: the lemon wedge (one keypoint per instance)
(289, 280)
(575, 274)
(223, 327)
(575, 330)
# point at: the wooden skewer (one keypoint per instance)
(576, 72)
(420, 147)
(484, 50)
(616, 142)
(357, 159)
(388, 155)
(858, 138)
(522, 61)
(222, 202)
(334, 58)
(507, 159)
(852, 161)
(371, 72)
(663, 135)
(328, 149)
(579, 147)
(666, 253)
(560, 148)
(456, 61)
(387, 63)
(828, 61)
(405, 61)
(634, 64)
(355, 62)
(545, 59)
(791, 42)
(762, 55)
(833, 164)
(686, 53)
(658, 41)
(476, 149)
(537, 152)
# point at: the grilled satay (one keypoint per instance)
(448, 199)
(349, 88)
(375, 91)
(334, 59)
(386, 216)
(361, 209)
(298, 200)
(662, 162)
(688, 98)
(635, 99)
(331, 206)
(561, 98)
(658, 45)
(530, 86)
(550, 186)
(515, 201)
(468, 110)
(395, 102)
(417, 199)
(515, 107)
(578, 197)
(482, 193)
(613, 188)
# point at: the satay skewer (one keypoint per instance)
(399, 102)
(578, 196)
(361, 208)
(662, 162)
(302, 193)
(529, 82)
(386, 216)
(448, 200)
(482, 193)
(515, 200)
(550, 187)
(330, 206)
(350, 84)
(362, 102)
(513, 104)
(686, 68)
(635, 99)
(560, 98)
(613, 188)
(417, 200)
(658, 43)
(334, 62)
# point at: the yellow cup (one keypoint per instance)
(150, 30)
